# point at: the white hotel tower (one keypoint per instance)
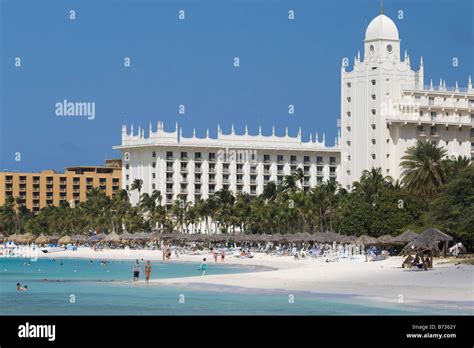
(385, 109)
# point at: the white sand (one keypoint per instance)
(382, 280)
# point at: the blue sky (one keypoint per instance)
(190, 62)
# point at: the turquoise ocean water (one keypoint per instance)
(98, 290)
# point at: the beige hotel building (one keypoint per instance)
(49, 188)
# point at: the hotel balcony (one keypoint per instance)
(225, 181)
(415, 118)
(197, 170)
(197, 181)
(240, 182)
(306, 183)
(169, 180)
(212, 159)
(212, 170)
(184, 159)
(197, 159)
(332, 174)
(421, 133)
(266, 171)
(319, 174)
(225, 171)
(183, 191)
(333, 163)
(169, 169)
(169, 201)
(183, 170)
(184, 180)
(9, 181)
(212, 181)
(253, 192)
(170, 158)
(22, 181)
(434, 134)
(169, 190)
(211, 191)
(253, 170)
(240, 171)
(253, 182)
(197, 191)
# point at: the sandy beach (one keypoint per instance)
(383, 281)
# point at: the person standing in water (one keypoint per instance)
(136, 271)
(203, 266)
(147, 271)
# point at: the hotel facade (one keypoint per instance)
(385, 108)
(49, 188)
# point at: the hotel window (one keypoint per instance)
(332, 160)
(153, 154)
(153, 164)
(421, 113)
(153, 175)
(293, 159)
(348, 128)
(319, 159)
(373, 82)
(431, 101)
(280, 158)
(348, 114)
(433, 142)
(184, 155)
(197, 156)
(306, 159)
(266, 158)
(348, 99)
(126, 187)
(127, 177)
(127, 166)
(348, 143)
(374, 97)
(433, 115)
(153, 186)
(373, 141)
(373, 125)
(212, 156)
(373, 156)
(349, 85)
(434, 131)
(373, 111)
(169, 154)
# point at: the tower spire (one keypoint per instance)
(381, 6)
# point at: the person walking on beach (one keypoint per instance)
(214, 252)
(203, 266)
(136, 271)
(147, 271)
(222, 255)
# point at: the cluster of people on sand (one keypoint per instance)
(215, 253)
(245, 253)
(21, 288)
(417, 262)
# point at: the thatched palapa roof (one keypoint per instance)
(385, 239)
(365, 240)
(405, 237)
(435, 235)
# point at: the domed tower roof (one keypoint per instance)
(381, 28)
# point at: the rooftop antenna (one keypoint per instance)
(381, 6)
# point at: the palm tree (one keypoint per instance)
(423, 169)
(137, 184)
(372, 182)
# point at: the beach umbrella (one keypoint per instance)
(435, 235)
(54, 238)
(42, 239)
(65, 240)
(365, 240)
(96, 237)
(126, 236)
(78, 238)
(13, 237)
(385, 239)
(112, 237)
(416, 244)
(405, 237)
(347, 239)
(25, 238)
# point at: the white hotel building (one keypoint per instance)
(385, 108)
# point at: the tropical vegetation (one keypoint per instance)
(434, 190)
